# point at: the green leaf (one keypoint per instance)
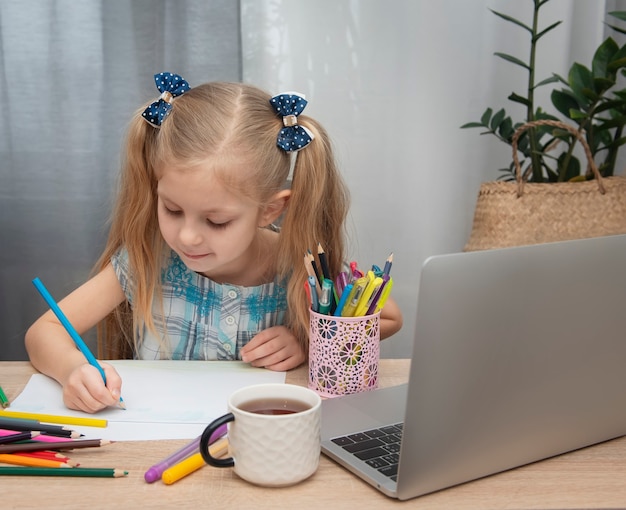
(618, 59)
(564, 101)
(560, 78)
(621, 94)
(602, 57)
(617, 29)
(618, 14)
(513, 60)
(601, 85)
(575, 114)
(512, 20)
(610, 124)
(608, 105)
(519, 99)
(590, 94)
(553, 79)
(497, 119)
(505, 130)
(546, 30)
(580, 78)
(620, 142)
(486, 116)
(472, 125)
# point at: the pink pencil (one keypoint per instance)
(40, 437)
(49, 439)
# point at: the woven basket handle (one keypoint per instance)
(562, 125)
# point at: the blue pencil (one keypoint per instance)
(82, 346)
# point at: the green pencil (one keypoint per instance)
(3, 398)
(75, 471)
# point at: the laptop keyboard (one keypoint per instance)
(378, 448)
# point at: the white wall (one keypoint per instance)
(392, 81)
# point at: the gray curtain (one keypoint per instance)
(71, 75)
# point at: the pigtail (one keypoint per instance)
(134, 226)
(316, 214)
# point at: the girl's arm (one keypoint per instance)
(53, 352)
(390, 319)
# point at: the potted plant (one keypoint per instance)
(589, 98)
(593, 111)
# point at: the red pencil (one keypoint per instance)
(45, 455)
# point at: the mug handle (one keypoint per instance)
(204, 442)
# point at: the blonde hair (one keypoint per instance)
(225, 121)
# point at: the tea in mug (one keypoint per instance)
(274, 406)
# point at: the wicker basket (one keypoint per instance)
(520, 213)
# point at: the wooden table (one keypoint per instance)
(593, 477)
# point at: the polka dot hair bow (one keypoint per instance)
(170, 85)
(292, 137)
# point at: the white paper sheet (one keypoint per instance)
(164, 399)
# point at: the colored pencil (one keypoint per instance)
(155, 472)
(21, 424)
(4, 401)
(311, 272)
(89, 472)
(44, 454)
(80, 343)
(38, 437)
(8, 458)
(18, 436)
(388, 264)
(323, 261)
(45, 438)
(193, 463)
(5, 432)
(316, 271)
(55, 418)
(62, 445)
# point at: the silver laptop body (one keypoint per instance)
(519, 354)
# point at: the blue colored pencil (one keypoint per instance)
(82, 346)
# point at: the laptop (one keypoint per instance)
(519, 354)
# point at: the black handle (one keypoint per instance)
(204, 442)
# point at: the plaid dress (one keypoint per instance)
(203, 320)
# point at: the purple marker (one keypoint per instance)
(154, 473)
(376, 296)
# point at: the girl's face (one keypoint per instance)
(213, 230)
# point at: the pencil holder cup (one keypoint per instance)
(343, 354)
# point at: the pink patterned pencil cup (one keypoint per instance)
(343, 354)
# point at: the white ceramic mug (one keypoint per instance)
(273, 434)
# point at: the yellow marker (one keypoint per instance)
(53, 418)
(384, 295)
(354, 297)
(368, 295)
(193, 463)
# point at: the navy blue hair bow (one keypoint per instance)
(170, 85)
(292, 137)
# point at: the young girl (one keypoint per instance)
(193, 267)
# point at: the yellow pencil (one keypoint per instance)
(193, 463)
(53, 418)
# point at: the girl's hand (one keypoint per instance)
(84, 389)
(275, 348)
